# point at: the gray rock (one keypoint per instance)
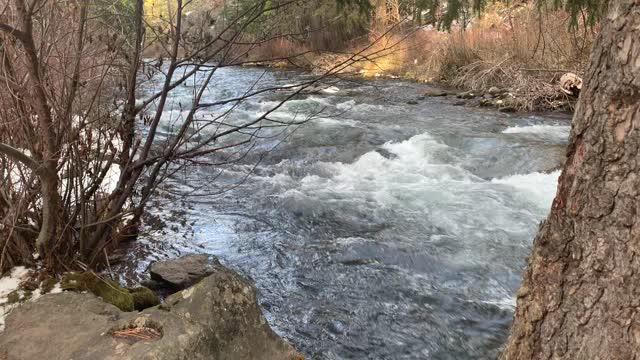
(435, 93)
(218, 318)
(185, 271)
(412, 102)
(459, 103)
(494, 91)
(467, 95)
(386, 153)
(486, 102)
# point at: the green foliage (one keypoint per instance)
(589, 10)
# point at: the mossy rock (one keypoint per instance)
(144, 298)
(13, 297)
(108, 290)
(47, 284)
(19, 296)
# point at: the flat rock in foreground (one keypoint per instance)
(216, 319)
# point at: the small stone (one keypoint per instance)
(412, 102)
(494, 91)
(184, 272)
(459, 103)
(466, 95)
(486, 102)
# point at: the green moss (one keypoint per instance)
(13, 297)
(112, 293)
(47, 284)
(144, 298)
(79, 282)
(108, 290)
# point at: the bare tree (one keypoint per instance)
(80, 154)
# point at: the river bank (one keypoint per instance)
(559, 96)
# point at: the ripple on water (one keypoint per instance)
(384, 231)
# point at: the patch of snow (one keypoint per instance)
(11, 282)
(8, 284)
(56, 289)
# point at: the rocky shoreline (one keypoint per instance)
(560, 97)
(210, 313)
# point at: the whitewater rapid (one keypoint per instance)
(378, 229)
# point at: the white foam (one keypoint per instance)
(423, 181)
(560, 132)
(540, 187)
(331, 90)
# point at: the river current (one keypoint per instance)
(377, 230)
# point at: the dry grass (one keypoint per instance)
(517, 48)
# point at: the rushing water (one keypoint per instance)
(380, 230)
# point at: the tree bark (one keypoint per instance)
(580, 296)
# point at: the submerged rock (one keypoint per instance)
(467, 95)
(435, 93)
(185, 271)
(218, 318)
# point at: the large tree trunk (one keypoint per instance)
(580, 296)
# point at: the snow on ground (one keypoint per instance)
(9, 284)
